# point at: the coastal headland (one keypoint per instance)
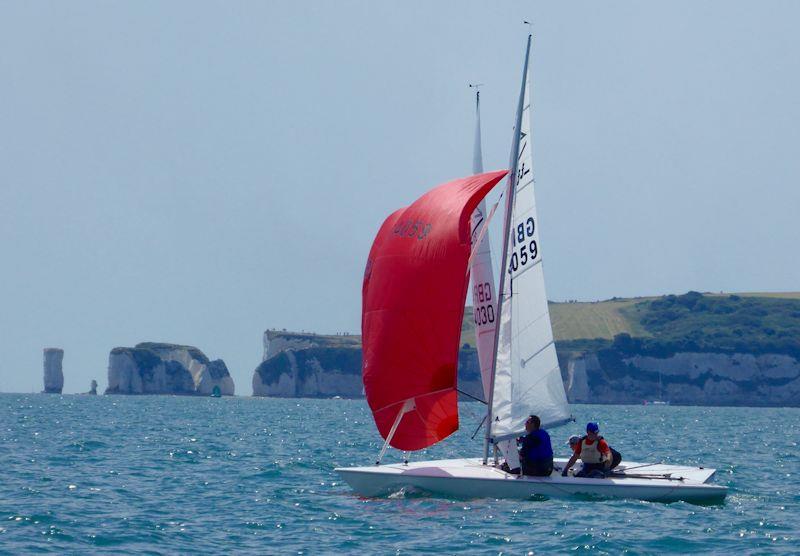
(158, 368)
(692, 349)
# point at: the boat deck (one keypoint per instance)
(469, 478)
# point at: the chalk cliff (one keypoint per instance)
(308, 365)
(691, 378)
(314, 366)
(157, 368)
(53, 374)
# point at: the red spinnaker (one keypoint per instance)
(414, 288)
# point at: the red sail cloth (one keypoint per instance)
(414, 288)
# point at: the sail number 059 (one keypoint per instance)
(525, 248)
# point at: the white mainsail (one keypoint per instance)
(527, 377)
(484, 308)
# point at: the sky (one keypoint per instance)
(198, 172)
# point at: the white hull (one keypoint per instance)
(468, 478)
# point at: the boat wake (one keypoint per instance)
(410, 493)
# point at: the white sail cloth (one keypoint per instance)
(484, 306)
(527, 375)
(484, 300)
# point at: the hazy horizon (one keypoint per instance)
(197, 173)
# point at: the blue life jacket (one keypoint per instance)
(536, 446)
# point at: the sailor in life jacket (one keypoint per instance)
(593, 451)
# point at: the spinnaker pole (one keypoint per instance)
(510, 191)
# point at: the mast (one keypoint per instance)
(477, 153)
(510, 190)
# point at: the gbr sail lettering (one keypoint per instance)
(483, 307)
(525, 249)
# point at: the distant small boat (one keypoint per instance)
(660, 400)
(216, 392)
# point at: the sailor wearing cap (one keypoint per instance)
(573, 441)
(592, 450)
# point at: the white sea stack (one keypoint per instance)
(158, 368)
(53, 374)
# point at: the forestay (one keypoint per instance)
(527, 376)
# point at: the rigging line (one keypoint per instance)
(413, 398)
(481, 235)
(653, 477)
(643, 465)
(479, 428)
(470, 396)
(477, 225)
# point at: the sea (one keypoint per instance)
(172, 475)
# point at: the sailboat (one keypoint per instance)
(660, 400)
(415, 284)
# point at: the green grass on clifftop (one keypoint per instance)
(319, 340)
(748, 322)
(603, 320)
(733, 323)
(581, 320)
